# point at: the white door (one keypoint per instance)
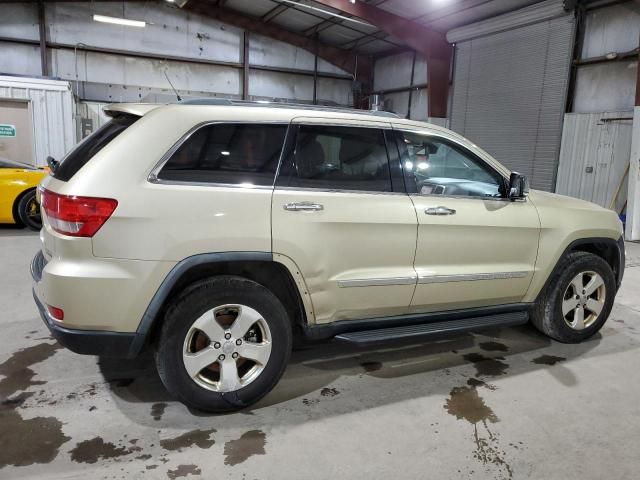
(335, 214)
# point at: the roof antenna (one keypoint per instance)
(172, 87)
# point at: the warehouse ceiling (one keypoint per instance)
(307, 17)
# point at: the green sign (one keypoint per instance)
(7, 130)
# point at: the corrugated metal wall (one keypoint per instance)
(510, 85)
(394, 72)
(594, 157)
(51, 104)
(170, 31)
(608, 86)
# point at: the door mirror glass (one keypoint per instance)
(518, 186)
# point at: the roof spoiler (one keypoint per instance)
(137, 109)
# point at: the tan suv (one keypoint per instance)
(212, 232)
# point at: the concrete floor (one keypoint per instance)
(507, 404)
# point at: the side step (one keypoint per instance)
(442, 328)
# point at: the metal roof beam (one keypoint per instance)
(430, 43)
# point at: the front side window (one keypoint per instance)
(228, 153)
(435, 166)
(338, 158)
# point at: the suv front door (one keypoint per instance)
(341, 215)
(475, 248)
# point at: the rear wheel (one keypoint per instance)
(224, 344)
(29, 211)
(578, 299)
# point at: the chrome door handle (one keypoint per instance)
(303, 207)
(439, 211)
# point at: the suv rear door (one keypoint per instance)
(340, 213)
(475, 248)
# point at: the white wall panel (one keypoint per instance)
(605, 87)
(169, 31)
(611, 29)
(19, 59)
(19, 21)
(594, 157)
(51, 104)
(274, 85)
(267, 51)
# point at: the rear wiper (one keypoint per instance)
(53, 164)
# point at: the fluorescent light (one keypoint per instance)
(225, 153)
(326, 12)
(119, 21)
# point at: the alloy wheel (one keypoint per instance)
(583, 300)
(227, 348)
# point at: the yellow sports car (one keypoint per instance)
(18, 184)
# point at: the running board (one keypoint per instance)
(442, 328)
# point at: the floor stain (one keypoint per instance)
(310, 401)
(474, 382)
(183, 471)
(493, 346)
(199, 438)
(249, 444)
(43, 435)
(486, 366)
(329, 392)
(157, 410)
(489, 453)
(371, 366)
(17, 374)
(90, 451)
(465, 403)
(547, 360)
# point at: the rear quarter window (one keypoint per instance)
(90, 146)
(227, 153)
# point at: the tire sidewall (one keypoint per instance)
(22, 211)
(583, 264)
(194, 302)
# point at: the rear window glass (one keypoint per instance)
(228, 153)
(85, 150)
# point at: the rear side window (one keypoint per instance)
(85, 150)
(338, 158)
(228, 153)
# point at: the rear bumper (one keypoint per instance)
(86, 342)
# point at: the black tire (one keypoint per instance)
(188, 307)
(547, 316)
(29, 211)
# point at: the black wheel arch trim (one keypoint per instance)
(618, 246)
(173, 277)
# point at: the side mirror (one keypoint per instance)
(518, 186)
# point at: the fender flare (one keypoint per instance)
(151, 313)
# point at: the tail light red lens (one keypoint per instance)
(76, 216)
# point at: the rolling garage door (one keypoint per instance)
(510, 87)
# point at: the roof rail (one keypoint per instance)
(246, 103)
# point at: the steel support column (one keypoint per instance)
(245, 65)
(42, 28)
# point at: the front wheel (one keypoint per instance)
(578, 299)
(224, 344)
(29, 211)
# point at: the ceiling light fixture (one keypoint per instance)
(119, 21)
(326, 12)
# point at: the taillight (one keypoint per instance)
(76, 216)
